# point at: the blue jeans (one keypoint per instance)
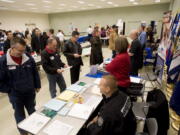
(19, 104)
(53, 79)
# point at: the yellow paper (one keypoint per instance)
(66, 95)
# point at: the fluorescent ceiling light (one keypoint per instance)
(46, 1)
(33, 8)
(116, 5)
(135, 3)
(131, 0)
(9, 1)
(90, 5)
(98, 7)
(30, 4)
(102, 0)
(62, 4)
(47, 6)
(74, 6)
(157, 1)
(81, 2)
(109, 2)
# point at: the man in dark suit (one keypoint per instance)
(135, 53)
(36, 41)
(73, 51)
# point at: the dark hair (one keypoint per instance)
(114, 26)
(8, 32)
(121, 44)
(26, 33)
(75, 33)
(51, 39)
(51, 31)
(16, 40)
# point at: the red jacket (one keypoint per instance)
(120, 67)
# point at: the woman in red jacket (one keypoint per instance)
(120, 66)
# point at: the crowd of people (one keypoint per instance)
(20, 79)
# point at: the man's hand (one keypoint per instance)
(66, 66)
(37, 90)
(59, 71)
(77, 55)
(93, 121)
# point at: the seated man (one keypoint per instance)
(114, 116)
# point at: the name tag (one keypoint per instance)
(52, 57)
(12, 67)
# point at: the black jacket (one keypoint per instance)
(17, 79)
(159, 109)
(51, 62)
(36, 43)
(115, 117)
(96, 56)
(6, 45)
(137, 58)
(70, 49)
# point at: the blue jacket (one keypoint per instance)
(18, 79)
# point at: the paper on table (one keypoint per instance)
(34, 123)
(58, 128)
(97, 81)
(55, 104)
(96, 90)
(66, 95)
(80, 111)
(93, 101)
(135, 80)
(86, 51)
(75, 87)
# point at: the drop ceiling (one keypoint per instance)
(55, 6)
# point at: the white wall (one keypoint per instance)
(11, 20)
(131, 15)
(175, 6)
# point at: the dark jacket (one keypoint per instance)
(159, 109)
(96, 56)
(36, 43)
(6, 45)
(115, 117)
(70, 49)
(51, 62)
(17, 79)
(137, 58)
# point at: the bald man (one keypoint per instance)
(135, 53)
(114, 115)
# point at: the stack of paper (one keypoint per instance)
(55, 104)
(86, 51)
(75, 87)
(34, 123)
(135, 79)
(66, 95)
(96, 90)
(93, 101)
(81, 111)
(97, 81)
(58, 128)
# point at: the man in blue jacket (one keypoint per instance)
(19, 78)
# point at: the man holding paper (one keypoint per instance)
(53, 66)
(73, 51)
(114, 115)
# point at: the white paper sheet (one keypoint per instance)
(58, 128)
(93, 101)
(96, 90)
(55, 104)
(135, 79)
(80, 111)
(97, 81)
(34, 123)
(75, 87)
